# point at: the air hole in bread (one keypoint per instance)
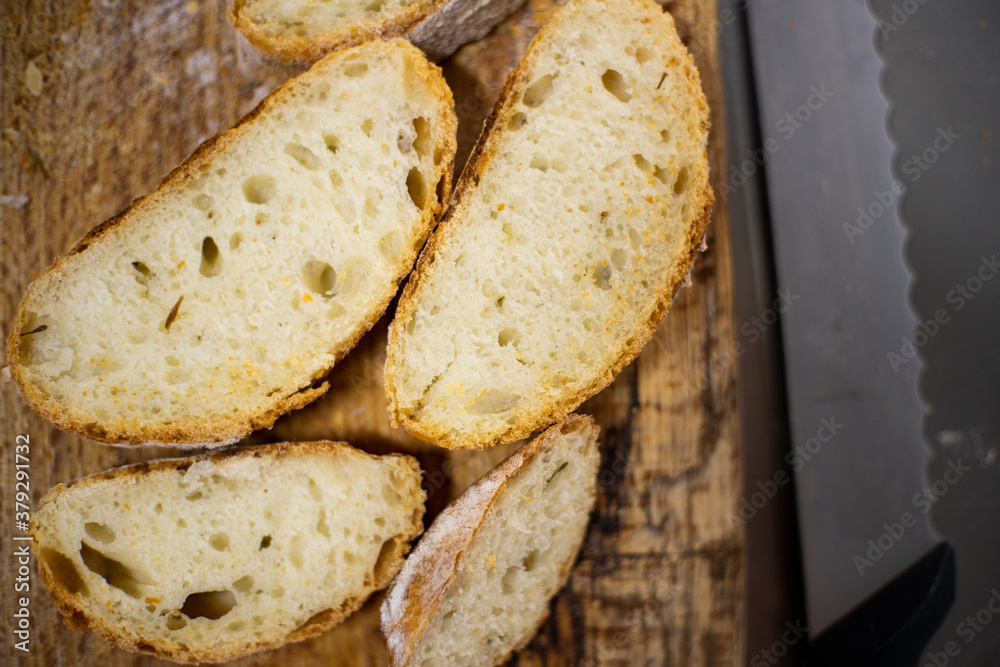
(305, 157)
(322, 93)
(64, 571)
(244, 584)
(141, 269)
(642, 163)
(539, 163)
(662, 175)
(665, 135)
(682, 179)
(212, 605)
(235, 240)
(403, 142)
(422, 144)
(355, 275)
(517, 121)
(322, 527)
(493, 401)
(99, 532)
(367, 126)
(357, 69)
(296, 551)
(509, 336)
(203, 202)
(385, 558)
(158, 508)
(509, 579)
(642, 54)
(335, 310)
(439, 189)
(332, 142)
(265, 542)
(619, 258)
(601, 275)
(194, 495)
(176, 622)
(260, 189)
(615, 84)
(219, 541)
(130, 580)
(211, 259)
(375, 5)
(529, 561)
(320, 278)
(390, 245)
(634, 238)
(590, 325)
(417, 188)
(538, 91)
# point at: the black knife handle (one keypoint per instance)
(892, 626)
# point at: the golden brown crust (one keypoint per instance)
(134, 432)
(75, 616)
(312, 48)
(438, 27)
(479, 161)
(434, 564)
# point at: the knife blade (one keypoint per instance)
(858, 453)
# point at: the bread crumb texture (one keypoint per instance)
(576, 221)
(513, 538)
(291, 19)
(211, 306)
(207, 558)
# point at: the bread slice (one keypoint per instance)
(304, 30)
(575, 221)
(478, 585)
(213, 305)
(219, 555)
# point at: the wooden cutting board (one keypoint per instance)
(100, 99)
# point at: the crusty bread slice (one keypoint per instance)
(575, 221)
(219, 555)
(478, 585)
(304, 30)
(210, 307)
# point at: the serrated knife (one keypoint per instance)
(878, 580)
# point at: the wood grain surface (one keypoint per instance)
(100, 99)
